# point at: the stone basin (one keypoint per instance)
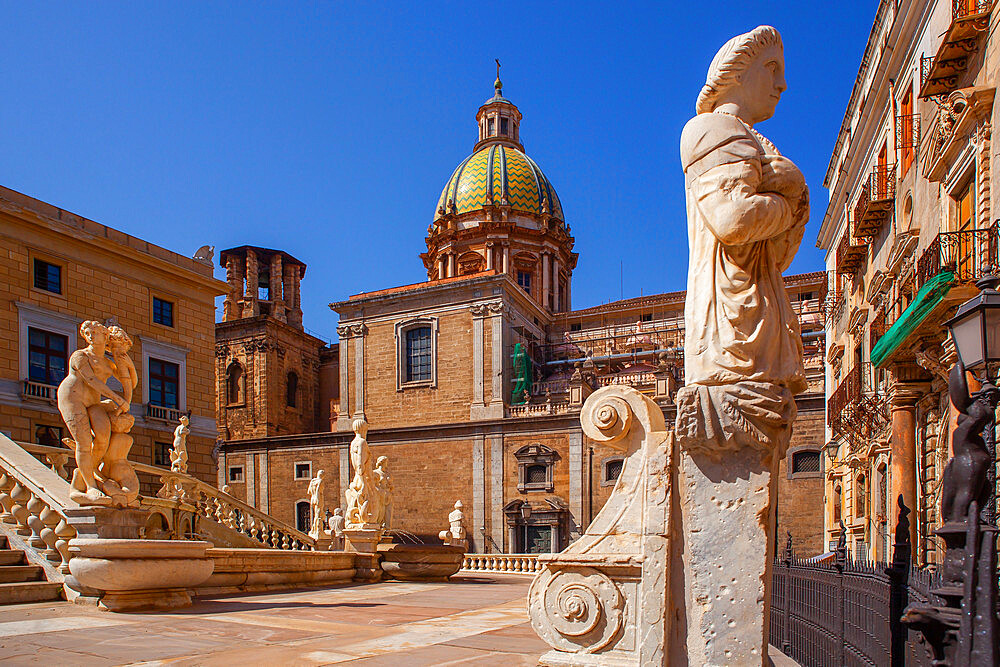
(420, 562)
(138, 574)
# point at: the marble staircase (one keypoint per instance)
(22, 582)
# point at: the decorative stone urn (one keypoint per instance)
(420, 562)
(139, 574)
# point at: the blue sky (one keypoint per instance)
(329, 129)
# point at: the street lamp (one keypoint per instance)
(525, 515)
(976, 328)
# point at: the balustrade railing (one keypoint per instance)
(502, 563)
(34, 499)
(628, 379)
(550, 387)
(162, 413)
(536, 409)
(38, 390)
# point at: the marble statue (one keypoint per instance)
(363, 501)
(179, 455)
(455, 534)
(674, 569)
(97, 418)
(336, 525)
(317, 503)
(383, 488)
(747, 208)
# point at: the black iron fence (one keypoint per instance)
(829, 614)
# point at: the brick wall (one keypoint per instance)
(800, 498)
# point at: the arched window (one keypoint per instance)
(302, 516)
(292, 390)
(861, 496)
(234, 384)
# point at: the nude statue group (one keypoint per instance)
(98, 418)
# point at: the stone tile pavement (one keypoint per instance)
(473, 620)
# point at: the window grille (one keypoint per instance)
(418, 354)
(48, 276)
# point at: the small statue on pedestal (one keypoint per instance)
(336, 524)
(179, 455)
(317, 503)
(455, 535)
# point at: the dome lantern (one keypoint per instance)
(499, 119)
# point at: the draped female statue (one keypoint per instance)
(747, 209)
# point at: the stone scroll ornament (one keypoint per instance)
(98, 418)
(674, 570)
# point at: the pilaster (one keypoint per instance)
(344, 413)
(908, 385)
(477, 533)
(496, 489)
(275, 288)
(576, 482)
(359, 332)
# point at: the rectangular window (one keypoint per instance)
(163, 383)
(524, 280)
(418, 354)
(163, 312)
(646, 318)
(907, 131)
(161, 454)
(491, 124)
(46, 356)
(965, 219)
(303, 471)
(50, 436)
(576, 327)
(504, 128)
(48, 276)
(236, 474)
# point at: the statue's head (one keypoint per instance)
(360, 427)
(749, 70)
(94, 332)
(118, 340)
(458, 504)
(338, 512)
(319, 474)
(382, 462)
(185, 420)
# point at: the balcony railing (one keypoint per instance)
(875, 202)
(970, 254)
(502, 563)
(38, 390)
(850, 255)
(162, 413)
(940, 73)
(856, 409)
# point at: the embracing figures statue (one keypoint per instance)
(98, 418)
(674, 570)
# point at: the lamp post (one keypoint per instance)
(525, 515)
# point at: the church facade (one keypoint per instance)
(472, 381)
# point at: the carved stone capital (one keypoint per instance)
(344, 331)
(359, 329)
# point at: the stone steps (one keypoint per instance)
(21, 582)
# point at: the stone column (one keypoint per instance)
(479, 312)
(546, 281)
(295, 300)
(359, 331)
(275, 288)
(489, 256)
(344, 412)
(506, 257)
(251, 307)
(442, 266)
(234, 276)
(451, 265)
(569, 292)
(906, 389)
(576, 474)
(556, 306)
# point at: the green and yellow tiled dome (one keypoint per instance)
(494, 173)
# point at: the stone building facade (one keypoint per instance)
(472, 382)
(60, 269)
(911, 225)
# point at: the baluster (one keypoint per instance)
(6, 484)
(34, 521)
(275, 538)
(64, 533)
(285, 542)
(21, 496)
(50, 519)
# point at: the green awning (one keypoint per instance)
(924, 302)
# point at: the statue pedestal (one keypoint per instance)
(724, 557)
(364, 540)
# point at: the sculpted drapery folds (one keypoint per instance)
(747, 208)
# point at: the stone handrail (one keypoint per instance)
(502, 563)
(533, 409)
(629, 379)
(34, 500)
(191, 493)
(222, 508)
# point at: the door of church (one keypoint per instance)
(539, 539)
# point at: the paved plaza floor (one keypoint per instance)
(473, 620)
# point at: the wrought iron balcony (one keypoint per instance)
(850, 255)
(875, 201)
(969, 254)
(907, 140)
(940, 73)
(856, 410)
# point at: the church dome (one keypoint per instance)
(498, 174)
